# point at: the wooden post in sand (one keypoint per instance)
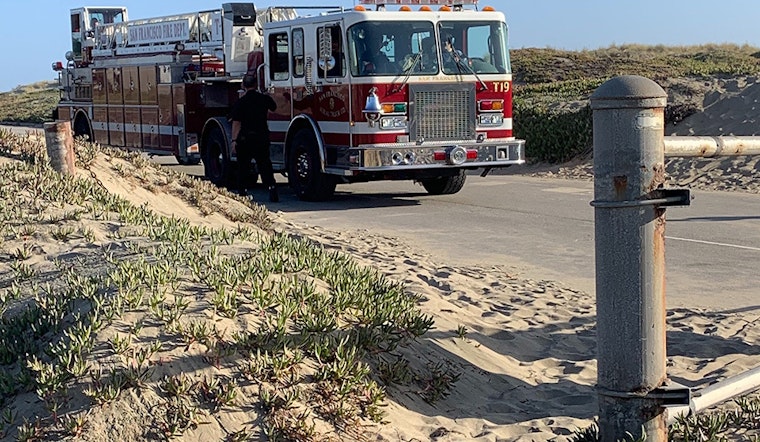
(629, 170)
(60, 146)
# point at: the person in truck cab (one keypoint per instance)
(94, 23)
(429, 54)
(372, 59)
(452, 57)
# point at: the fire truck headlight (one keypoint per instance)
(393, 123)
(490, 119)
(410, 158)
(397, 158)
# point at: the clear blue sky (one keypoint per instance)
(36, 32)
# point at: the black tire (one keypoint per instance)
(82, 128)
(216, 163)
(304, 174)
(444, 185)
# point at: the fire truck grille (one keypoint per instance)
(442, 112)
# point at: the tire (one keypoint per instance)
(304, 174)
(444, 185)
(82, 128)
(216, 163)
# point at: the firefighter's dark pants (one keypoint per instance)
(259, 151)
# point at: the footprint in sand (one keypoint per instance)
(503, 309)
(468, 300)
(432, 282)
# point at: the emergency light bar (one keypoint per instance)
(419, 2)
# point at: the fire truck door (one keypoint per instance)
(302, 80)
(279, 78)
(77, 31)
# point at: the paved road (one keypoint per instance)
(544, 229)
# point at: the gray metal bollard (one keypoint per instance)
(59, 142)
(629, 171)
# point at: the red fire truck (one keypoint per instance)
(414, 93)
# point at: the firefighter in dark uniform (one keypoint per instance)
(250, 136)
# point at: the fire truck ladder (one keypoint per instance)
(199, 32)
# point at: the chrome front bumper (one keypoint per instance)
(498, 152)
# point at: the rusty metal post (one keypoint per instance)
(59, 142)
(629, 165)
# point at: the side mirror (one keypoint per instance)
(325, 43)
(325, 64)
(326, 60)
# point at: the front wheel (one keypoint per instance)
(216, 164)
(444, 185)
(304, 169)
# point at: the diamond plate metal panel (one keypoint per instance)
(442, 112)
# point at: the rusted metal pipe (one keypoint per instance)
(706, 147)
(59, 143)
(629, 167)
(717, 393)
(726, 389)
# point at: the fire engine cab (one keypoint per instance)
(382, 91)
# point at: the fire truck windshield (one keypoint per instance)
(106, 15)
(392, 48)
(410, 48)
(477, 46)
